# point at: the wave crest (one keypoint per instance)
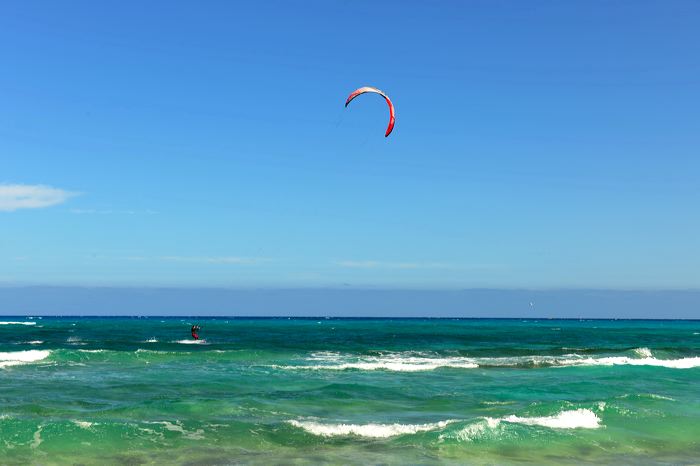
(399, 362)
(416, 362)
(15, 358)
(575, 419)
(366, 430)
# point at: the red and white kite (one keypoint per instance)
(363, 90)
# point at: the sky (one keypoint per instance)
(538, 145)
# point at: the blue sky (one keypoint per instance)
(537, 144)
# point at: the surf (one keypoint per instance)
(15, 358)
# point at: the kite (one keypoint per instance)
(365, 89)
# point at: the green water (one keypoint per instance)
(307, 391)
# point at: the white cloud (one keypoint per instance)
(24, 196)
(371, 264)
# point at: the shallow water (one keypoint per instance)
(391, 391)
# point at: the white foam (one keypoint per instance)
(191, 342)
(397, 362)
(82, 424)
(643, 352)
(151, 340)
(17, 323)
(177, 427)
(473, 431)
(36, 438)
(489, 427)
(415, 362)
(653, 396)
(660, 397)
(575, 419)
(683, 363)
(366, 430)
(35, 342)
(577, 360)
(15, 358)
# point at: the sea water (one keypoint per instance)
(348, 391)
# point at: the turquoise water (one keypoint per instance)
(355, 391)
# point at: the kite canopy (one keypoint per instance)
(365, 89)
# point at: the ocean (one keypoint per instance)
(133, 391)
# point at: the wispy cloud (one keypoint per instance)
(24, 196)
(372, 264)
(216, 259)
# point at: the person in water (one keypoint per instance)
(195, 329)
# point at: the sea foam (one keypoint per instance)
(574, 419)
(15, 358)
(17, 323)
(490, 427)
(366, 430)
(397, 362)
(415, 362)
(682, 363)
(643, 352)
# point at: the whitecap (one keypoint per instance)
(683, 363)
(396, 362)
(17, 323)
(366, 430)
(489, 426)
(578, 360)
(151, 340)
(575, 419)
(473, 431)
(15, 358)
(643, 352)
(416, 362)
(191, 342)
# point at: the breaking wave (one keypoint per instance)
(490, 427)
(366, 430)
(412, 362)
(15, 358)
(17, 323)
(571, 419)
(398, 362)
(575, 419)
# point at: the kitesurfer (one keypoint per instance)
(195, 329)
